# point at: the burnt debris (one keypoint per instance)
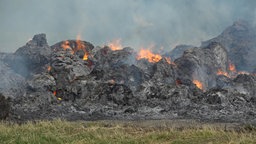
(74, 80)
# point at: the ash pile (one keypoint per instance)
(74, 80)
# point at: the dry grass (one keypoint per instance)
(58, 131)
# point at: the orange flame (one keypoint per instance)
(79, 44)
(198, 84)
(49, 68)
(85, 56)
(147, 54)
(220, 72)
(65, 45)
(232, 67)
(115, 45)
(54, 93)
(169, 61)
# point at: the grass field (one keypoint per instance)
(101, 132)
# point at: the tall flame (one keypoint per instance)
(147, 54)
(115, 44)
(79, 44)
(198, 84)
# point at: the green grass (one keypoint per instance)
(61, 132)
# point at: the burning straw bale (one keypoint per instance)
(76, 81)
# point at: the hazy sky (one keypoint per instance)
(139, 23)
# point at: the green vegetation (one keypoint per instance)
(58, 131)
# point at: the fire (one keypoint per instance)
(115, 45)
(49, 68)
(147, 54)
(232, 67)
(85, 56)
(220, 72)
(79, 44)
(54, 93)
(65, 45)
(169, 61)
(198, 84)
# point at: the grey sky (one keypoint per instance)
(139, 23)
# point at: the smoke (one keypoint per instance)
(139, 23)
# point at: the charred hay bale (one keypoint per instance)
(41, 82)
(147, 67)
(216, 96)
(78, 47)
(73, 44)
(67, 70)
(171, 96)
(245, 78)
(31, 57)
(108, 93)
(223, 81)
(240, 40)
(116, 93)
(107, 57)
(202, 64)
(4, 107)
(177, 51)
(246, 84)
(164, 72)
(118, 66)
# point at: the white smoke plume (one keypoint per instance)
(139, 23)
